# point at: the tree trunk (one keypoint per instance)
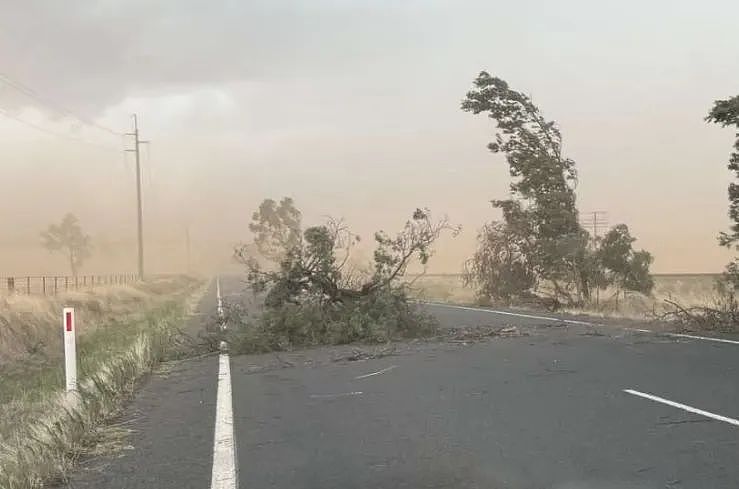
(72, 264)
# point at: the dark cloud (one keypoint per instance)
(92, 54)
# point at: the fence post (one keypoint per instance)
(28, 285)
(56, 285)
(76, 283)
(11, 284)
(66, 283)
(43, 284)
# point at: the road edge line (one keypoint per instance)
(684, 407)
(506, 313)
(584, 323)
(224, 474)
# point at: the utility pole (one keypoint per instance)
(140, 213)
(187, 246)
(595, 220)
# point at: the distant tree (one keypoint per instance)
(726, 113)
(622, 266)
(67, 237)
(276, 227)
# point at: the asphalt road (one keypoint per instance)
(545, 409)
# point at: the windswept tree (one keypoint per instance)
(540, 243)
(726, 113)
(68, 238)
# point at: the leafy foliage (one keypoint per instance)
(726, 113)
(67, 237)
(374, 318)
(276, 227)
(500, 268)
(540, 241)
(621, 265)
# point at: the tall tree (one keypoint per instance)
(540, 241)
(67, 237)
(542, 211)
(726, 113)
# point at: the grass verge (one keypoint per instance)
(43, 431)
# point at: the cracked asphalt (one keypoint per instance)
(544, 408)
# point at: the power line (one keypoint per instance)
(54, 133)
(53, 105)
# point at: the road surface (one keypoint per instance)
(562, 405)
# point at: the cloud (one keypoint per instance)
(93, 54)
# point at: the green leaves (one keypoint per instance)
(623, 266)
(726, 113)
(540, 239)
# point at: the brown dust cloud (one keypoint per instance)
(354, 113)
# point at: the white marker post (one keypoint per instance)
(70, 348)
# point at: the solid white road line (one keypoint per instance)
(584, 323)
(705, 338)
(684, 407)
(689, 336)
(224, 450)
(376, 373)
(506, 313)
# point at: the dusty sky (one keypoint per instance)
(352, 108)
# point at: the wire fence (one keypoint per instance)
(55, 284)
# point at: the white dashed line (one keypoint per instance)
(684, 407)
(334, 396)
(220, 299)
(379, 372)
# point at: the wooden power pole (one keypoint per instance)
(139, 208)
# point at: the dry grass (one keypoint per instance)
(688, 290)
(123, 333)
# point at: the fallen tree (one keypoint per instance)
(315, 293)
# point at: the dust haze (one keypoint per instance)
(353, 111)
